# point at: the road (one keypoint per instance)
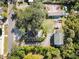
(10, 26)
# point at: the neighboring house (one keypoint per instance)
(54, 10)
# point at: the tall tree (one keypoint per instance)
(30, 19)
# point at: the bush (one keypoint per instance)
(14, 57)
(31, 56)
(47, 52)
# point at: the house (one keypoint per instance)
(54, 10)
(58, 38)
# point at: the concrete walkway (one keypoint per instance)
(46, 42)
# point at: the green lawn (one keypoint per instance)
(6, 29)
(5, 45)
(48, 26)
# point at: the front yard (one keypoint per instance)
(5, 39)
(5, 45)
(6, 29)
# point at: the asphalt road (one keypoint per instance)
(10, 27)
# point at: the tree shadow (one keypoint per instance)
(31, 37)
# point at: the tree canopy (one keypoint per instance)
(23, 52)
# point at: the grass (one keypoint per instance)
(14, 44)
(5, 45)
(6, 29)
(5, 39)
(4, 13)
(48, 25)
(33, 56)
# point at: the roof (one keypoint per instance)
(52, 3)
(61, 13)
(54, 10)
(58, 38)
(57, 3)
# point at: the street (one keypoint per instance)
(10, 27)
